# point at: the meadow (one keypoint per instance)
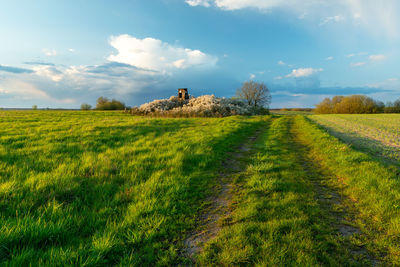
(95, 188)
(105, 188)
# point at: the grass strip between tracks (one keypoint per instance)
(277, 220)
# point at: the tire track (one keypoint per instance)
(209, 222)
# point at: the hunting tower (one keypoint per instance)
(183, 94)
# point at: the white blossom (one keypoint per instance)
(206, 105)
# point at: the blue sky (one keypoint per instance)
(64, 53)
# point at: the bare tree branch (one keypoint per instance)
(256, 94)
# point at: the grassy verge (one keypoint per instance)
(277, 220)
(104, 188)
(374, 190)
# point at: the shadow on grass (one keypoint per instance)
(378, 150)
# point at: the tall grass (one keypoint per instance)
(105, 188)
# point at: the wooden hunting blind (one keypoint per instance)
(183, 94)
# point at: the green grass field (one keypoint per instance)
(110, 189)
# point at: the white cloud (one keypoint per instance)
(336, 18)
(205, 3)
(278, 78)
(380, 18)
(356, 54)
(329, 58)
(302, 16)
(259, 4)
(282, 63)
(25, 90)
(252, 76)
(358, 64)
(372, 58)
(303, 72)
(69, 86)
(153, 54)
(49, 52)
(137, 66)
(71, 50)
(376, 57)
(49, 71)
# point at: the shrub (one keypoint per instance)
(203, 106)
(85, 106)
(104, 103)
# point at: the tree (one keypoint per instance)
(325, 107)
(335, 101)
(34, 107)
(396, 103)
(353, 104)
(393, 107)
(356, 104)
(256, 94)
(104, 103)
(85, 106)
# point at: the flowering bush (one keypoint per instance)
(202, 106)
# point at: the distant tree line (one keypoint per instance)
(393, 107)
(356, 104)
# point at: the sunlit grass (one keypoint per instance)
(105, 188)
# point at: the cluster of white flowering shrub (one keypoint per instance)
(202, 106)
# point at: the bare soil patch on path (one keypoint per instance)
(211, 220)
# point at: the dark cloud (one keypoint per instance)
(312, 86)
(307, 92)
(118, 69)
(14, 69)
(307, 82)
(331, 90)
(39, 63)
